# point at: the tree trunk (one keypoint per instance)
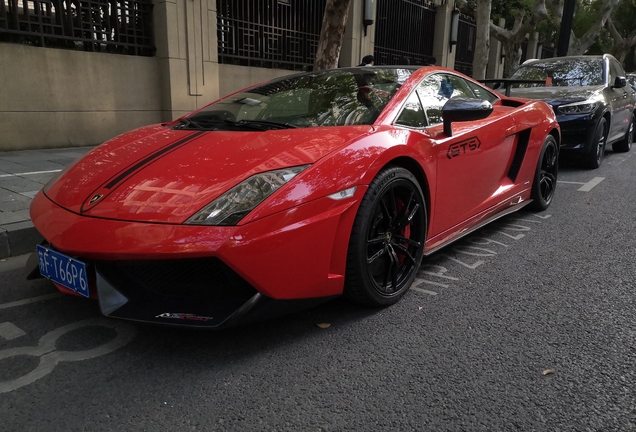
(482, 42)
(513, 58)
(578, 46)
(331, 34)
(512, 39)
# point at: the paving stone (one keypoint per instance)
(10, 201)
(17, 233)
(30, 194)
(19, 184)
(23, 213)
(12, 167)
(37, 165)
(11, 217)
(40, 178)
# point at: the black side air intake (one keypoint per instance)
(522, 145)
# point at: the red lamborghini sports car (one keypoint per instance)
(292, 192)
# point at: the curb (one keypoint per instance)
(18, 239)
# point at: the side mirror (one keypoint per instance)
(620, 82)
(464, 109)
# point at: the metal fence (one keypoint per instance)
(547, 52)
(404, 30)
(465, 44)
(118, 26)
(280, 34)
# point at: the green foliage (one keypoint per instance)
(624, 17)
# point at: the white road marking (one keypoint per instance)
(586, 187)
(30, 173)
(424, 291)
(50, 356)
(29, 301)
(10, 331)
(589, 185)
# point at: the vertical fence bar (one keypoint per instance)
(397, 23)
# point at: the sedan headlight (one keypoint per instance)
(584, 107)
(235, 204)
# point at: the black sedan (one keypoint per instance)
(592, 100)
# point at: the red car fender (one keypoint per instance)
(354, 165)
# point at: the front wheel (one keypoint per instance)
(625, 144)
(545, 177)
(387, 239)
(594, 157)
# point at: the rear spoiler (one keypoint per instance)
(507, 82)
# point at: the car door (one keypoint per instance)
(471, 165)
(620, 100)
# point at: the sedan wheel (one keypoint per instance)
(545, 179)
(625, 144)
(387, 239)
(594, 158)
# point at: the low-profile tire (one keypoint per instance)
(545, 177)
(387, 239)
(625, 144)
(594, 156)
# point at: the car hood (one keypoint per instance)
(156, 174)
(557, 96)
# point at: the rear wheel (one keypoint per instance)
(625, 144)
(387, 239)
(594, 157)
(545, 178)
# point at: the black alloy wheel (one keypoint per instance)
(545, 179)
(625, 144)
(387, 239)
(594, 157)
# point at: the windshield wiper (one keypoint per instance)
(262, 125)
(187, 123)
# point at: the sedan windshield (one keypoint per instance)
(339, 97)
(567, 72)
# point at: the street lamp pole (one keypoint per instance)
(566, 28)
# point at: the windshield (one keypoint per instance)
(569, 72)
(328, 98)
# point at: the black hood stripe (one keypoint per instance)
(109, 186)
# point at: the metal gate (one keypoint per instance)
(465, 44)
(118, 26)
(404, 30)
(279, 34)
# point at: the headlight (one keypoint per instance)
(584, 107)
(235, 204)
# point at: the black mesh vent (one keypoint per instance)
(520, 153)
(202, 278)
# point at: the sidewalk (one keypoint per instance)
(22, 175)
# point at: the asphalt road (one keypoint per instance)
(528, 324)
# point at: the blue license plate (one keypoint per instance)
(64, 270)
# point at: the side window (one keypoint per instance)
(435, 90)
(481, 93)
(412, 114)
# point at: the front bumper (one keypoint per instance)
(293, 258)
(577, 132)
